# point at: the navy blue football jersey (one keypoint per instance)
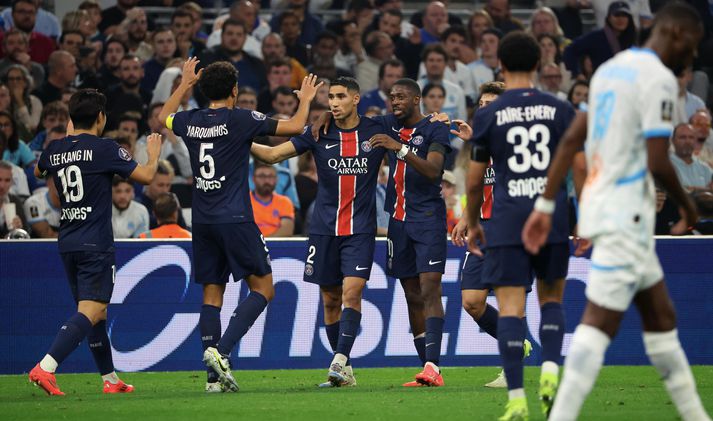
(410, 196)
(218, 142)
(82, 168)
(520, 132)
(347, 168)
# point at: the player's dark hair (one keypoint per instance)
(348, 82)
(85, 106)
(218, 80)
(394, 62)
(409, 84)
(118, 180)
(431, 86)
(519, 52)
(493, 88)
(165, 206)
(434, 48)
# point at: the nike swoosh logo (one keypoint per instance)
(396, 130)
(331, 146)
(432, 343)
(348, 336)
(431, 262)
(361, 268)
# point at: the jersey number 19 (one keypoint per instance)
(72, 187)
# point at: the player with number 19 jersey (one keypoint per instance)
(520, 132)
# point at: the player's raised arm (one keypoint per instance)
(145, 173)
(273, 154)
(296, 124)
(538, 225)
(189, 77)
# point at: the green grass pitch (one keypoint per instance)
(621, 393)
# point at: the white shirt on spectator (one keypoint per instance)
(461, 76)
(695, 174)
(19, 182)
(454, 104)
(38, 208)
(130, 222)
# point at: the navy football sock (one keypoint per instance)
(243, 318)
(70, 335)
(434, 335)
(333, 335)
(511, 334)
(209, 324)
(100, 346)
(551, 331)
(348, 330)
(488, 322)
(420, 344)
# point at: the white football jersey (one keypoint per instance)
(631, 99)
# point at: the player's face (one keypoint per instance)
(122, 195)
(342, 102)
(684, 48)
(486, 99)
(5, 181)
(403, 102)
(265, 179)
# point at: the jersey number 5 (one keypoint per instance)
(520, 137)
(72, 186)
(205, 158)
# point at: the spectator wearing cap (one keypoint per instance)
(499, 11)
(693, 174)
(389, 72)
(23, 15)
(274, 213)
(166, 211)
(618, 34)
(640, 11)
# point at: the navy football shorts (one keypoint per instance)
(471, 274)
(90, 274)
(222, 249)
(413, 248)
(330, 259)
(514, 266)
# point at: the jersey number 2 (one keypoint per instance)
(520, 138)
(72, 186)
(205, 158)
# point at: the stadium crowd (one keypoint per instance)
(122, 52)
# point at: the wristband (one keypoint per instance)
(545, 206)
(401, 154)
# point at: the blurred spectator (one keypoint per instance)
(94, 11)
(11, 211)
(486, 67)
(408, 49)
(310, 26)
(289, 30)
(273, 49)
(324, 52)
(452, 40)
(435, 58)
(61, 71)
(688, 103)
(85, 20)
(306, 182)
(197, 11)
(173, 149)
(251, 71)
(164, 49)
(128, 126)
(161, 183)
(279, 73)
(361, 12)
(499, 11)
(16, 52)
(704, 203)
(479, 21)
(701, 122)
(71, 41)
(322, 97)
(435, 21)
(16, 151)
(578, 94)
(454, 211)
(692, 173)
(389, 72)
(168, 82)
(379, 47)
(127, 95)
(115, 15)
(550, 53)
(166, 210)
(550, 79)
(640, 11)
(26, 108)
(284, 101)
(274, 213)
(34, 183)
(129, 218)
(5, 99)
(114, 51)
(43, 210)
(67, 95)
(247, 98)
(133, 30)
(434, 96)
(256, 29)
(382, 216)
(544, 21)
(618, 34)
(285, 169)
(43, 22)
(88, 69)
(183, 28)
(315, 111)
(351, 50)
(419, 18)
(24, 13)
(53, 114)
(19, 186)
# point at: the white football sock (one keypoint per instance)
(111, 378)
(48, 364)
(581, 368)
(516, 393)
(665, 352)
(551, 367)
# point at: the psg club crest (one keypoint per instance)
(257, 115)
(417, 140)
(366, 146)
(309, 270)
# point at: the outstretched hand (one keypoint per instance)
(309, 88)
(465, 132)
(476, 238)
(189, 77)
(459, 233)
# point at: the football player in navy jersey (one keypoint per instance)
(82, 166)
(341, 239)
(519, 132)
(226, 239)
(417, 233)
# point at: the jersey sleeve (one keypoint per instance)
(43, 162)
(657, 106)
(303, 142)
(119, 160)
(252, 123)
(178, 122)
(440, 138)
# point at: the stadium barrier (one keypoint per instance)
(153, 316)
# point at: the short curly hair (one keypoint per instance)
(218, 80)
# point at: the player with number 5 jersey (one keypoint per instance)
(226, 239)
(82, 166)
